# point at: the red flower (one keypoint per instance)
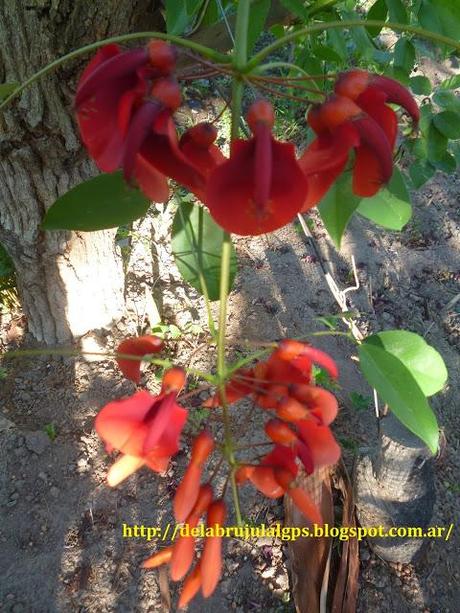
(144, 428)
(289, 367)
(274, 477)
(124, 104)
(355, 117)
(188, 490)
(207, 571)
(211, 559)
(139, 346)
(261, 187)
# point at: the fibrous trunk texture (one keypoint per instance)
(69, 282)
(395, 488)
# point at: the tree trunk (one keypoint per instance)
(395, 488)
(69, 282)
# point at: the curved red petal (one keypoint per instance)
(305, 504)
(161, 150)
(374, 159)
(397, 94)
(367, 173)
(282, 457)
(187, 492)
(231, 188)
(211, 559)
(182, 556)
(113, 68)
(139, 129)
(151, 181)
(320, 402)
(139, 346)
(121, 423)
(159, 558)
(372, 101)
(191, 586)
(322, 446)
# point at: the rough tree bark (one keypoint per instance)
(69, 282)
(395, 488)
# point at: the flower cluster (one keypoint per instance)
(146, 429)
(304, 411)
(125, 104)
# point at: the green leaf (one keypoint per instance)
(442, 16)
(451, 82)
(398, 388)
(6, 89)
(379, 12)
(176, 17)
(422, 360)
(97, 204)
(196, 242)
(337, 207)
(448, 123)
(447, 100)
(420, 85)
(404, 55)
(436, 144)
(323, 52)
(446, 163)
(420, 173)
(259, 12)
(397, 11)
(297, 8)
(390, 207)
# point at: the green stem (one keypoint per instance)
(239, 61)
(177, 40)
(336, 25)
(76, 353)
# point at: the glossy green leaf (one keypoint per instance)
(338, 206)
(397, 11)
(422, 360)
(259, 12)
(97, 204)
(448, 123)
(390, 207)
(378, 12)
(196, 242)
(6, 89)
(420, 85)
(399, 389)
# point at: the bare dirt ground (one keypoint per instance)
(61, 530)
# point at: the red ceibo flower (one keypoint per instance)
(124, 104)
(355, 117)
(261, 187)
(144, 428)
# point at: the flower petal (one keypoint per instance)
(321, 443)
(191, 586)
(211, 559)
(159, 558)
(230, 193)
(123, 468)
(138, 346)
